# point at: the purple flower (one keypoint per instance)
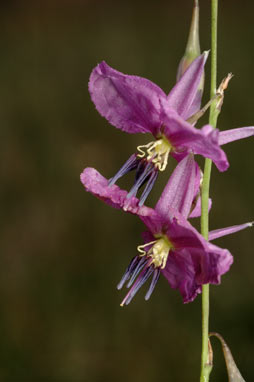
(175, 249)
(136, 105)
(172, 246)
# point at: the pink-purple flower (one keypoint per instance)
(171, 245)
(136, 105)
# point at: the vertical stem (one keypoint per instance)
(205, 366)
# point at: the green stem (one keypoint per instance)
(206, 366)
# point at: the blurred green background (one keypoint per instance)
(63, 251)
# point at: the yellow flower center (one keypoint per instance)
(158, 252)
(156, 151)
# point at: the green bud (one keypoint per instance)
(193, 46)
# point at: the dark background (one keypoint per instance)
(63, 251)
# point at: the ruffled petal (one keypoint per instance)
(187, 269)
(180, 189)
(113, 195)
(211, 261)
(129, 103)
(215, 264)
(228, 230)
(181, 97)
(180, 273)
(228, 136)
(186, 138)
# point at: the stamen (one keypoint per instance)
(147, 171)
(155, 278)
(143, 276)
(128, 166)
(148, 188)
(142, 266)
(148, 271)
(143, 261)
(140, 168)
(128, 272)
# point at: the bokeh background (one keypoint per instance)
(63, 251)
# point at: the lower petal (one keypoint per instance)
(113, 195)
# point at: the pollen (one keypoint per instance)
(157, 152)
(158, 252)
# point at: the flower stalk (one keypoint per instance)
(206, 366)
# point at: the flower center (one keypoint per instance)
(156, 151)
(149, 262)
(158, 252)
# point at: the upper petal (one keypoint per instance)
(182, 97)
(130, 103)
(180, 189)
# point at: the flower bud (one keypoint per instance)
(193, 47)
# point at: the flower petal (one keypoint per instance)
(182, 234)
(187, 269)
(180, 189)
(180, 273)
(113, 195)
(182, 95)
(195, 106)
(155, 222)
(171, 223)
(130, 103)
(216, 264)
(228, 230)
(196, 205)
(186, 138)
(228, 136)
(196, 212)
